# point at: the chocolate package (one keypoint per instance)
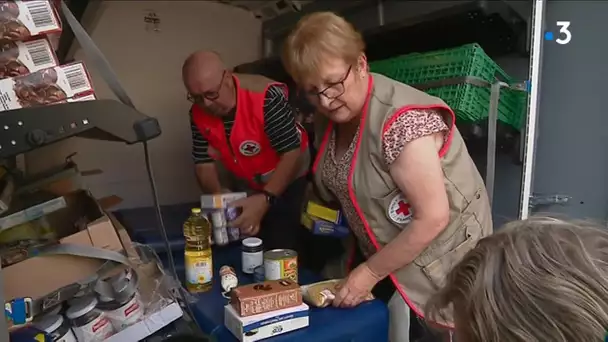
(20, 20)
(22, 58)
(264, 297)
(44, 87)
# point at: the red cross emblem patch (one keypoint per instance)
(399, 210)
(249, 148)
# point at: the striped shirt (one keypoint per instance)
(279, 125)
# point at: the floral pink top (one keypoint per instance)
(408, 126)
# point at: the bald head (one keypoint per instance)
(203, 63)
(203, 75)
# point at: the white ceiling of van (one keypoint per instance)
(266, 10)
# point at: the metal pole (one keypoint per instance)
(491, 150)
(538, 17)
(267, 47)
(380, 13)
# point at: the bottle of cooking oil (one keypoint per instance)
(199, 264)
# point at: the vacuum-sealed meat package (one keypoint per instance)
(20, 20)
(45, 87)
(22, 58)
(323, 293)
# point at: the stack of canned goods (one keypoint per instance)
(220, 214)
(223, 233)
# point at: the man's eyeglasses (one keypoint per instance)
(334, 90)
(211, 95)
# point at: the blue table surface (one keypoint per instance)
(367, 322)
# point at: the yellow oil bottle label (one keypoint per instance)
(199, 267)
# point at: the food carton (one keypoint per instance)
(45, 87)
(20, 20)
(22, 58)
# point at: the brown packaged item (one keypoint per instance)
(322, 294)
(45, 87)
(20, 20)
(22, 58)
(264, 297)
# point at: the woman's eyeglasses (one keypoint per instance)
(334, 90)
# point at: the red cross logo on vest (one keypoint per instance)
(249, 148)
(399, 210)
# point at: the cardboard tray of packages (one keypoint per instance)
(161, 309)
(39, 276)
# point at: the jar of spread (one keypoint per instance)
(123, 312)
(252, 254)
(58, 328)
(122, 305)
(89, 324)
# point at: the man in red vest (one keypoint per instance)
(245, 125)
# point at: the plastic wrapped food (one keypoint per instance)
(322, 294)
(45, 87)
(20, 20)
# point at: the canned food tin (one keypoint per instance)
(220, 236)
(232, 213)
(218, 218)
(281, 264)
(258, 274)
(220, 231)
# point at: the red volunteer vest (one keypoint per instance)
(249, 154)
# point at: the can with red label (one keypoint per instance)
(281, 264)
(125, 313)
(89, 323)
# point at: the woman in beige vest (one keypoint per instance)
(394, 160)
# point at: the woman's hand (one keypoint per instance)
(356, 288)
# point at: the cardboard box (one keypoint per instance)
(32, 213)
(45, 87)
(41, 275)
(258, 327)
(24, 19)
(325, 213)
(220, 201)
(22, 58)
(321, 227)
(271, 295)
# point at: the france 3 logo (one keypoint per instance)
(564, 34)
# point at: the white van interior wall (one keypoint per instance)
(148, 64)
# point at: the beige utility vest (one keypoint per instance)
(382, 206)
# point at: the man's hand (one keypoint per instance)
(253, 210)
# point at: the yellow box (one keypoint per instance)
(324, 213)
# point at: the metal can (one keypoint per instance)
(232, 213)
(258, 274)
(218, 218)
(281, 264)
(220, 232)
(234, 234)
(228, 278)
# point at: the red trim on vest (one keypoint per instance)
(248, 131)
(353, 198)
(401, 111)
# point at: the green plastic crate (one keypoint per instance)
(469, 102)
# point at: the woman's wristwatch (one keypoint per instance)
(270, 197)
